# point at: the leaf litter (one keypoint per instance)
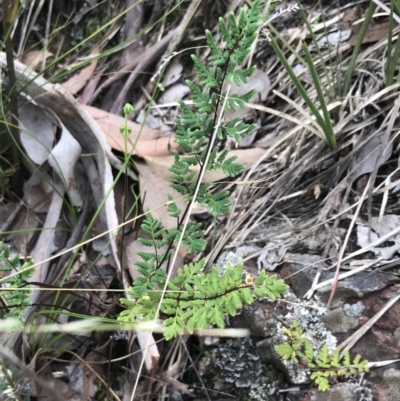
(275, 209)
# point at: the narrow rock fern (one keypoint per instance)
(324, 366)
(196, 299)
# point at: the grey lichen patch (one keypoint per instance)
(354, 310)
(309, 316)
(363, 392)
(234, 258)
(271, 382)
(238, 362)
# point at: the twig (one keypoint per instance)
(350, 341)
(345, 242)
(146, 60)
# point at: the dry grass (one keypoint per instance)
(299, 188)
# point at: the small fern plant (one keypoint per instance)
(13, 275)
(324, 365)
(195, 299)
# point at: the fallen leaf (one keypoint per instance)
(366, 238)
(90, 88)
(150, 144)
(37, 132)
(153, 192)
(34, 58)
(335, 38)
(173, 72)
(367, 157)
(24, 228)
(91, 370)
(79, 80)
(44, 246)
(63, 160)
(374, 34)
(351, 15)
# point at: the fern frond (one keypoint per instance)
(195, 299)
(237, 129)
(172, 209)
(205, 75)
(217, 57)
(324, 365)
(284, 350)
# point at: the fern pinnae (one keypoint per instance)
(322, 364)
(194, 298)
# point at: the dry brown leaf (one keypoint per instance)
(91, 371)
(149, 144)
(350, 16)
(374, 34)
(156, 148)
(79, 80)
(153, 192)
(160, 165)
(87, 93)
(24, 228)
(34, 58)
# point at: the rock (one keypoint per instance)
(338, 322)
(338, 392)
(392, 379)
(238, 362)
(397, 335)
(300, 278)
(257, 319)
(385, 382)
(383, 333)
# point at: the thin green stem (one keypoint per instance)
(357, 47)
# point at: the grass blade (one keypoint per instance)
(330, 136)
(356, 50)
(300, 88)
